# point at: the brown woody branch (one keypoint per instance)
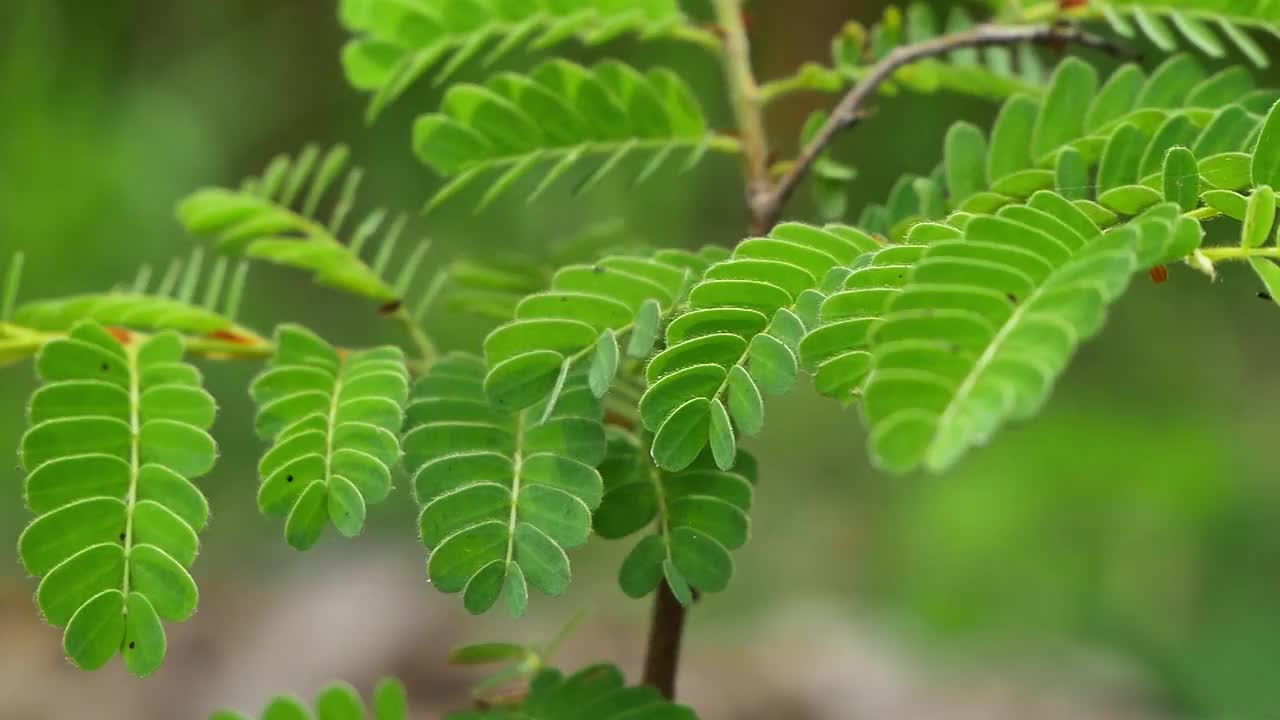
(767, 206)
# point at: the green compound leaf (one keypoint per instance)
(837, 350)
(399, 43)
(275, 217)
(989, 74)
(560, 117)
(952, 363)
(1163, 22)
(503, 494)
(743, 314)
(598, 692)
(337, 701)
(333, 420)
(1130, 125)
(561, 328)
(117, 434)
(698, 515)
(167, 307)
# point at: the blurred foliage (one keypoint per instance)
(1138, 518)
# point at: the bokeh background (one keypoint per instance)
(1117, 558)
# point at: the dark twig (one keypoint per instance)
(767, 206)
(662, 659)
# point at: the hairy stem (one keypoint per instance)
(767, 207)
(745, 92)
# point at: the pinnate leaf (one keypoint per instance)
(117, 436)
(333, 420)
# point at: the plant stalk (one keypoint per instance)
(767, 206)
(662, 660)
(748, 106)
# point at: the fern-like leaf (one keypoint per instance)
(986, 322)
(274, 218)
(400, 42)
(836, 348)
(118, 432)
(171, 305)
(599, 692)
(1204, 24)
(558, 118)
(993, 73)
(699, 515)
(337, 701)
(740, 337)
(618, 299)
(334, 419)
(503, 494)
(494, 285)
(1111, 154)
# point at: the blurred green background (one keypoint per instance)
(1117, 558)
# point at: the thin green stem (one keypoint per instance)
(747, 105)
(1238, 254)
(427, 351)
(810, 78)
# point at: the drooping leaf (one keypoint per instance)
(333, 419)
(270, 218)
(947, 376)
(560, 329)
(698, 515)
(399, 43)
(118, 433)
(557, 119)
(502, 492)
(733, 315)
(1192, 19)
(167, 306)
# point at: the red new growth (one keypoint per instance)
(1072, 4)
(120, 334)
(230, 337)
(747, 23)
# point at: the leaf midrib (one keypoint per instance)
(517, 469)
(135, 442)
(713, 141)
(997, 343)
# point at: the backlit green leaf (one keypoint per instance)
(110, 454)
